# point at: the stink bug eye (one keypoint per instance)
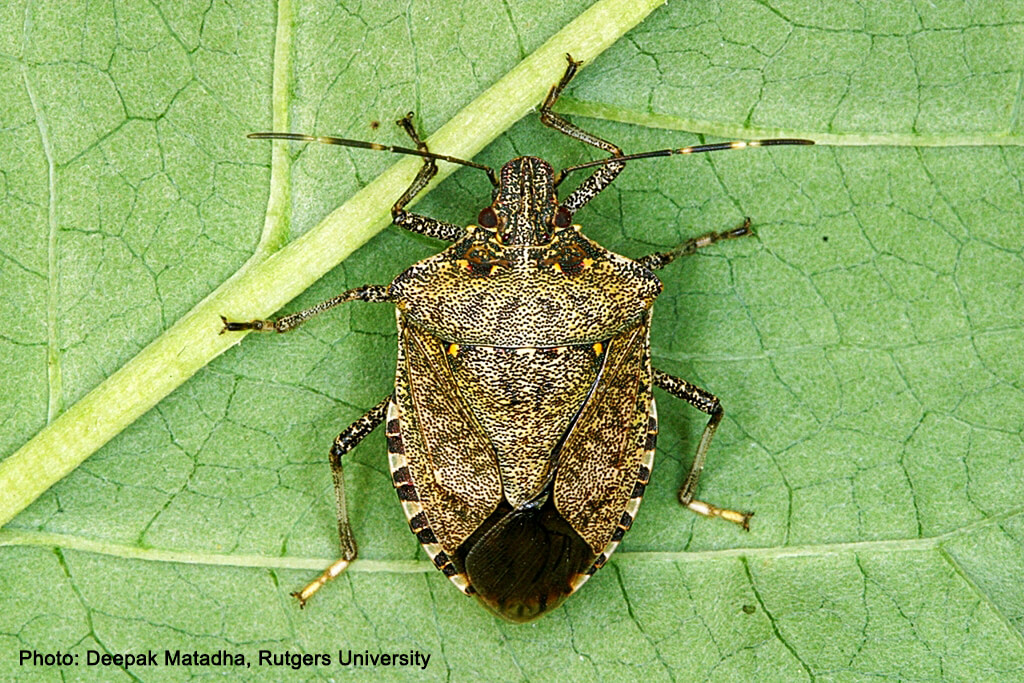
(522, 425)
(487, 218)
(563, 218)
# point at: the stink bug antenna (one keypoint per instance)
(694, 149)
(345, 142)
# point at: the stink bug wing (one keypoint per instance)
(612, 440)
(526, 561)
(451, 462)
(525, 400)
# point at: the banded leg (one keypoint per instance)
(659, 260)
(604, 174)
(370, 293)
(706, 402)
(412, 221)
(345, 442)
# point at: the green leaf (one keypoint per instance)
(866, 346)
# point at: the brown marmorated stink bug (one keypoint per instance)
(522, 426)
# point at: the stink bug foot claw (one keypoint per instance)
(257, 325)
(746, 520)
(742, 231)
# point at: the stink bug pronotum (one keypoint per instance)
(522, 426)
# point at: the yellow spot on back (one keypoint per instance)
(453, 349)
(598, 348)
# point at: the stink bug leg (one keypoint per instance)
(606, 172)
(659, 260)
(706, 402)
(345, 442)
(415, 222)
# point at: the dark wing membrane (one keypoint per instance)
(451, 462)
(524, 562)
(598, 463)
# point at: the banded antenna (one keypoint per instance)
(559, 177)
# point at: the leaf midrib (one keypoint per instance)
(29, 538)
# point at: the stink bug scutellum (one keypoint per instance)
(522, 426)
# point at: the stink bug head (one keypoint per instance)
(525, 211)
(522, 424)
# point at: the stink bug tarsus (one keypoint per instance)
(521, 430)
